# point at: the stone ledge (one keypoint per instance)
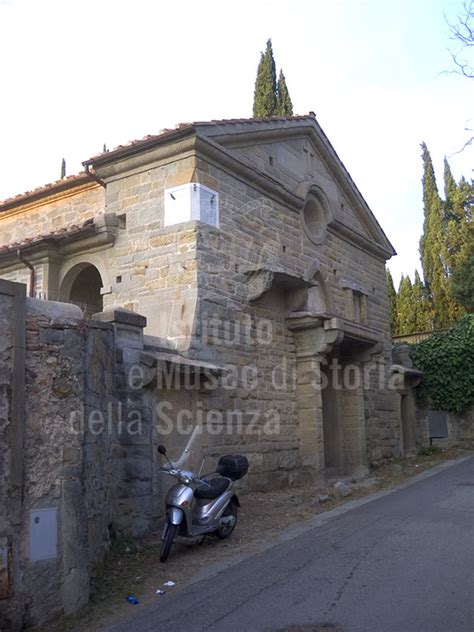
(121, 316)
(56, 312)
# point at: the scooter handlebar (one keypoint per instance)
(177, 473)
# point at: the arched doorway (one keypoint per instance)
(82, 285)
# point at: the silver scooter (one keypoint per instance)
(200, 506)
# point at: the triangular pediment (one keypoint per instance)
(296, 153)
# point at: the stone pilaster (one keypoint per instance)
(313, 342)
(132, 421)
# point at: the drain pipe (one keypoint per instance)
(31, 290)
(92, 175)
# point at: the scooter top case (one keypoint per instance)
(233, 466)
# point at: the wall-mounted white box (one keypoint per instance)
(43, 534)
(191, 201)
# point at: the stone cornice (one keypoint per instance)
(354, 331)
(137, 148)
(317, 334)
(139, 158)
(224, 159)
(202, 147)
(350, 235)
(212, 142)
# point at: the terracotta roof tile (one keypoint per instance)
(181, 126)
(53, 236)
(297, 117)
(83, 175)
(51, 186)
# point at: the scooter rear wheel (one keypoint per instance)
(224, 531)
(168, 540)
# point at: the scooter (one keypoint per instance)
(200, 506)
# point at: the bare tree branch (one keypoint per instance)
(463, 33)
(468, 143)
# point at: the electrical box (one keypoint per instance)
(43, 534)
(191, 201)
(438, 424)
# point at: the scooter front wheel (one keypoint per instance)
(168, 539)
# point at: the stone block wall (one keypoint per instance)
(154, 268)
(460, 427)
(251, 234)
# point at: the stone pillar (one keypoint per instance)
(310, 413)
(408, 417)
(128, 329)
(353, 415)
(313, 342)
(132, 452)
(50, 283)
(403, 380)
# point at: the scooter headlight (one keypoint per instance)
(185, 479)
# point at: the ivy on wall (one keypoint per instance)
(447, 362)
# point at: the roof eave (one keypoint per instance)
(137, 148)
(44, 192)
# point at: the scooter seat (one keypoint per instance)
(217, 487)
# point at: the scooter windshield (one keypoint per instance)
(183, 459)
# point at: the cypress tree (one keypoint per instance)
(392, 302)
(265, 95)
(63, 168)
(432, 245)
(459, 242)
(450, 189)
(284, 104)
(406, 313)
(462, 281)
(422, 320)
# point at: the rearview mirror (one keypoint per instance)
(162, 450)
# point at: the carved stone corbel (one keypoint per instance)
(311, 337)
(258, 282)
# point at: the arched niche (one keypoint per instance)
(82, 285)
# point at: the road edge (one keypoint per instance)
(299, 529)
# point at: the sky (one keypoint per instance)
(78, 74)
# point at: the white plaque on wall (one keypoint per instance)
(191, 201)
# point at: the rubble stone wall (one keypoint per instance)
(12, 393)
(60, 436)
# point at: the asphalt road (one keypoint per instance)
(400, 563)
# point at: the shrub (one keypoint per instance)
(429, 450)
(447, 362)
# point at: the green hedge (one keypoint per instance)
(447, 362)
